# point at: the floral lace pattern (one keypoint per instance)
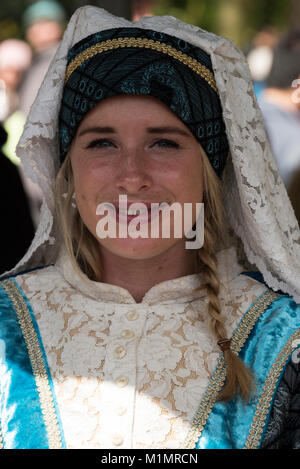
(127, 374)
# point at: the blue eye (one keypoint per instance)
(166, 143)
(101, 143)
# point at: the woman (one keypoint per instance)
(142, 343)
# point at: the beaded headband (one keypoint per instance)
(134, 61)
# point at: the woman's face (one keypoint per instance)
(134, 146)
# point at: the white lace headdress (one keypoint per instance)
(258, 207)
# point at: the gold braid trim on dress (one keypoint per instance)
(142, 43)
(218, 378)
(37, 363)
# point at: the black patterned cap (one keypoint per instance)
(134, 61)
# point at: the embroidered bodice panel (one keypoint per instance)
(127, 374)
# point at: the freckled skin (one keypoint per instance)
(133, 161)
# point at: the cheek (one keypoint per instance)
(92, 185)
(90, 181)
(84, 188)
(195, 177)
(188, 181)
(81, 184)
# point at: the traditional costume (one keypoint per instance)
(83, 365)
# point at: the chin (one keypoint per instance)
(138, 249)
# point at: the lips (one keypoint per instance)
(135, 202)
(145, 211)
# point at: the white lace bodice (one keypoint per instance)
(127, 374)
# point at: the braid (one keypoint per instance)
(238, 377)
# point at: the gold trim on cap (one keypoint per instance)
(112, 44)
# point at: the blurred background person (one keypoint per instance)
(44, 23)
(17, 228)
(15, 58)
(281, 111)
(260, 56)
(142, 8)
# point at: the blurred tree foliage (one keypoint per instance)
(11, 12)
(236, 19)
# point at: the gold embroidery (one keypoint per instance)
(266, 397)
(218, 378)
(37, 363)
(112, 44)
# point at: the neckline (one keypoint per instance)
(177, 290)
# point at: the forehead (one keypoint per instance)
(127, 109)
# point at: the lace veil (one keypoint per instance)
(258, 208)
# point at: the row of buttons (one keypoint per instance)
(120, 351)
(122, 381)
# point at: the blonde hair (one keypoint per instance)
(238, 377)
(80, 243)
(84, 253)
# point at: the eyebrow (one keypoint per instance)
(168, 130)
(150, 130)
(97, 130)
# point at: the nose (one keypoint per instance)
(133, 174)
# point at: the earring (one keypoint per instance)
(74, 200)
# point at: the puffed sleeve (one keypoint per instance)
(283, 430)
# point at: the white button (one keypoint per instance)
(121, 382)
(127, 334)
(120, 352)
(117, 440)
(121, 410)
(132, 315)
